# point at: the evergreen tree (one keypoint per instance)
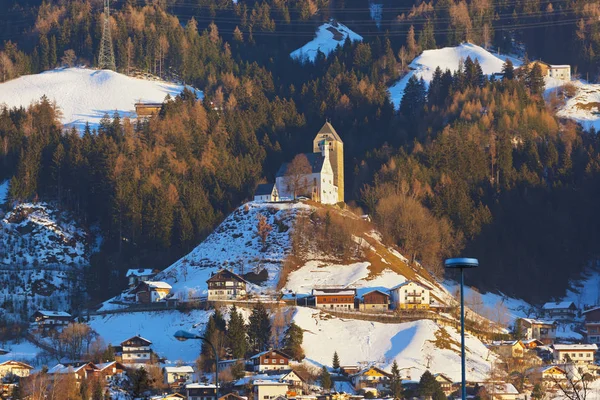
(414, 98)
(336, 361)
(538, 392)
(97, 390)
(434, 94)
(427, 37)
(429, 387)
(259, 329)
(536, 80)
(508, 70)
(325, 379)
(396, 381)
(140, 381)
(52, 57)
(236, 334)
(292, 342)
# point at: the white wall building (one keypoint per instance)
(562, 72)
(318, 185)
(266, 390)
(577, 353)
(410, 295)
(178, 375)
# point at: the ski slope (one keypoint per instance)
(86, 95)
(327, 38)
(447, 58)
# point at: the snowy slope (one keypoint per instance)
(22, 351)
(235, 244)
(447, 58)
(411, 344)
(158, 327)
(327, 38)
(583, 107)
(42, 255)
(86, 94)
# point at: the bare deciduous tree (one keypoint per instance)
(295, 174)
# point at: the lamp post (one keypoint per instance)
(182, 336)
(462, 263)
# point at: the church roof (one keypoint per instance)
(314, 159)
(328, 129)
(264, 189)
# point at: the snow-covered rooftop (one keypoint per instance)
(264, 382)
(183, 369)
(52, 314)
(158, 285)
(575, 347)
(501, 388)
(139, 272)
(558, 306)
(539, 321)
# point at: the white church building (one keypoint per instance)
(325, 182)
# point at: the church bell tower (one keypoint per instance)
(336, 155)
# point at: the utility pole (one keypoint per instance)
(106, 58)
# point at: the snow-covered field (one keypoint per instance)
(327, 38)
(158, 327)
(411, 344)
(85, 95)
(357, 275)
(447, 58)
(22, 351)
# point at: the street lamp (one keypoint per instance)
(462, 263)
(182, 336)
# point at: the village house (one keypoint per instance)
(198, 391)
(226, 285)
(576, 353)
(508, 348)
(445, 383)
(171, 396)
(543, 330)
(110, 369)
(565, 310)
(14, 368)
(232, 396)
(349, 369)
(561, 72)
(268, 389)
(136, 350)
(80, 371)
(592, 325)
(296, 384)
(272, 360)
(334, 298)
(135, 276)
(147, 109)
(410, 295)
(151, 291)
(375, 300)
(500, 391)
(371, 378)
(51, 319)
(531, 344)
(547, 375)
(266, 192)
(177, 376)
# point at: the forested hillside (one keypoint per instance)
(475, 166)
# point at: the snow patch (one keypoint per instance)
(86, 95)
(447, 58)
(327, 38)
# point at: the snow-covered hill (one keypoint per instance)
(85, 95)
(327, 38)
(42, 253)
(447, 58)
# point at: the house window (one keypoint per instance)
(281, 361)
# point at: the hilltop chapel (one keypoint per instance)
(324, 180)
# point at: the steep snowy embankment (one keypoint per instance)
(447, 58)
(85, 95)
(327, 38)
(416, 346)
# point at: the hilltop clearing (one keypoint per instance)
(327, 38)
(447, 58)
(86, 95)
